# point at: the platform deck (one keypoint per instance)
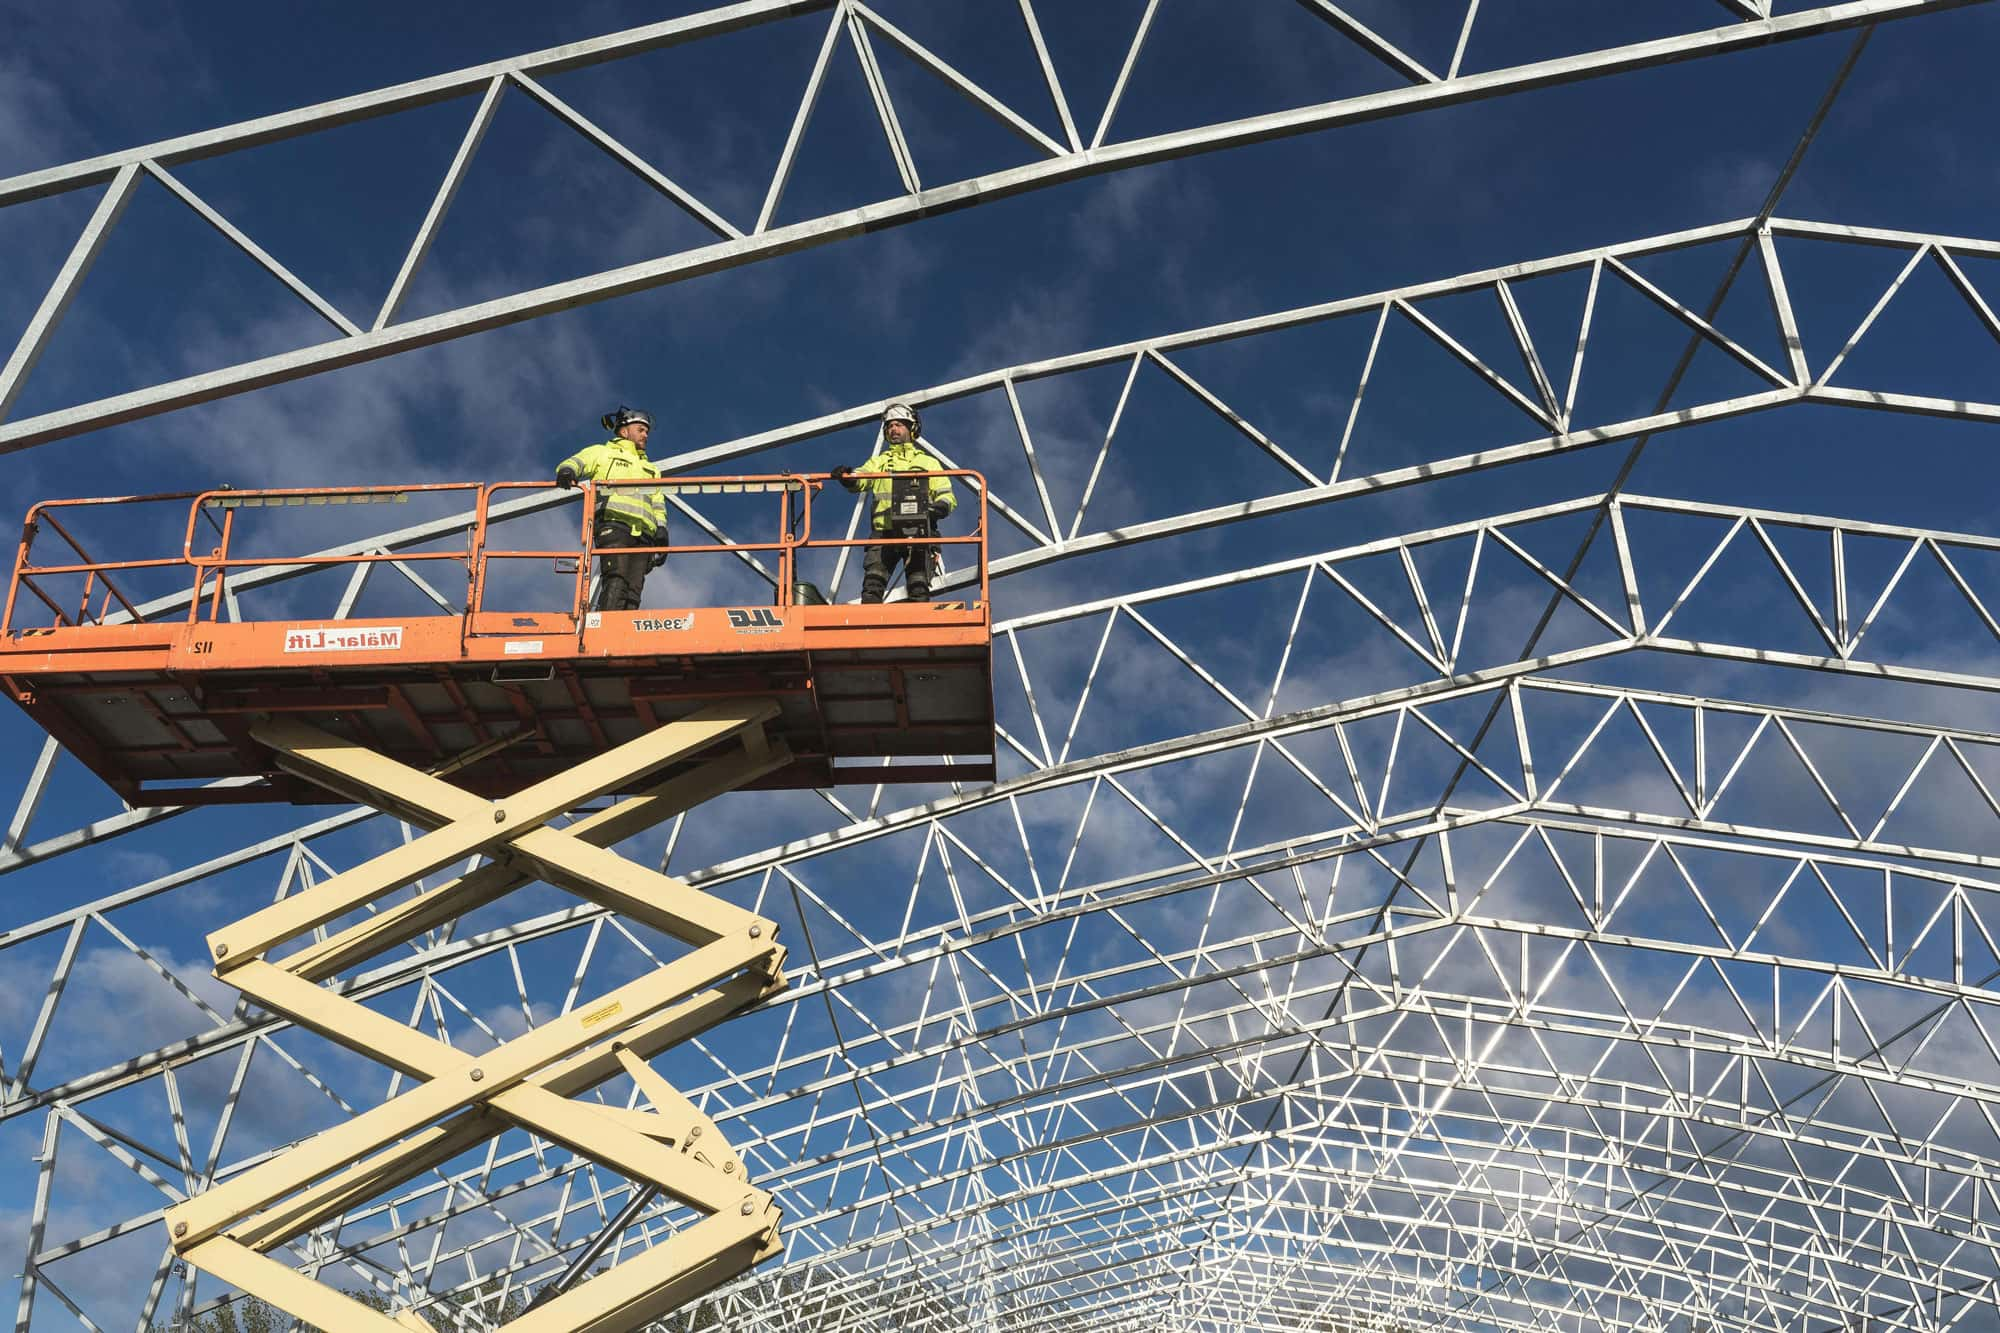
(149, 708)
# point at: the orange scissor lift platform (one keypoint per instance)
(162, 706)
(552, 708)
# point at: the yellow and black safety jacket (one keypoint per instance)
(909, 456)
(618, 459)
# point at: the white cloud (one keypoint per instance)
(398, 419)
(886, 288)
(113, 1007)
(1137, 205)
(36, 127)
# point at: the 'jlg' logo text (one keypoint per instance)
(758, 620)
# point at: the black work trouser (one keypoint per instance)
(621, 578)
(878, 564)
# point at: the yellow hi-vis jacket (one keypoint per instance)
(910, 456)
(618, 459)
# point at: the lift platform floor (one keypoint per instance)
(163, 712)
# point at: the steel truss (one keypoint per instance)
(1125, 1086)
(1425, 309)
(1496, 556)
(1674, 1012)
(849, 23)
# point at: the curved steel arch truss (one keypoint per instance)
(1385, 972)
(851, 24)
(1293, 1074)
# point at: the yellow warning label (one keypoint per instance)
(599, 1014)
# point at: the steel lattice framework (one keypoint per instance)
(1402, 967)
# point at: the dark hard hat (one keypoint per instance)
(625, 416)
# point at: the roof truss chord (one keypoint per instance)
(848, 22)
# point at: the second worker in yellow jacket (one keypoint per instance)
(900, 448)
(626, 515)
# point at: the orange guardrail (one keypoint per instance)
(209, 571)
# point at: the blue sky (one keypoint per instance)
(1129, 255)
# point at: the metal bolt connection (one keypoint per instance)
(180, 1228)
(222, 951)
(748, 1208)
(478, 1075)
(694, 1133)
(499, 816)
(729, 1168)
(756, 932)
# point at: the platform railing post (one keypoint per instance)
(22, 563)
(222, 566)
(580, 606)
(475, 566)
(787, 566)
(200, 569)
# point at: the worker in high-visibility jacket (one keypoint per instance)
(907, 508)
(626, 515)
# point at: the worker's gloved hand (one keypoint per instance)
(566, 477)
(658, 558)
(939, 509)
(840, 473)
